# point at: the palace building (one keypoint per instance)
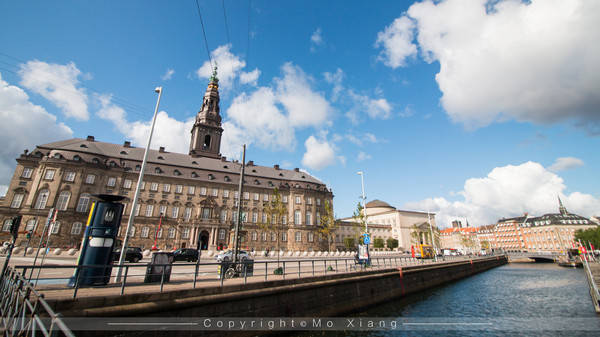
(192, 196)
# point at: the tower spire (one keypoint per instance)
(207, 130)
(561, 208)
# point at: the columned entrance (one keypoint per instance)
(204, 240)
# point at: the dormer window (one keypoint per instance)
(83, 145)
(112, 164)
(256, 182)
(211, 176)
(227, 178)
(96, 161)
(158, 170)
(58, 156)
(303, 177)
(138, 167)
(225, 166)
(195, 162)
(124, 153)
(161, 158)
(194, 175)
(177, 173)
(77, 158)
(253, 170)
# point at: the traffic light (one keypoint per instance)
(14, 228)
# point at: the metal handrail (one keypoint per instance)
(291, 268)
(24, 310)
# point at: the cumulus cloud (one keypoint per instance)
(168, 74)
(362, 156)
(18, 114)
(319, 153)
(58, 84)
(270, 116)
(169, 132)
(565, 163)
(509, 191)
(316, 39)
(530, 61)
(229, 68)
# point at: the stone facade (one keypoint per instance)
(192, 196)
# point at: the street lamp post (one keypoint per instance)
(364, 199)
(158, 90)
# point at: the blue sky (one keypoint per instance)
(466, 110)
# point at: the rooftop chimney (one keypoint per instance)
(250, 163)
(127, 144)
(223, 159)
(297, 169)
(276, 166)
(161, 149)
(90, 138)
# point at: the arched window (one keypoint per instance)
(42, 198)
(206, 144)
(84, 203)
(63, 200)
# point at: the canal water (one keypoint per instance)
(518, 299)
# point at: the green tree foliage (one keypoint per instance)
(485, 244)
(275, 210)
(328, 225)
(378, 243)
(392, 243)
(591, 235)
(350, 243)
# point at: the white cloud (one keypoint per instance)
(362, 156)
(229, 68)
(533, 61)
(250, 78)
(565, 163)
(509, 191)
(316, 39)
(396, 41)
(304, 106)
(378, 108)
(58, 84)
(335, 79)
(168, 75)
(173, 134)
(18, 115)
(319, 153)
(408, 111)
(354, 139)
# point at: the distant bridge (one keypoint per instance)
(536, 256)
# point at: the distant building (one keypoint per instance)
(194, 196)
(401, 222)
(462, 239)
(352, 229)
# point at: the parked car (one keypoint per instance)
(228, 256)
(185, 254)
(133, 254)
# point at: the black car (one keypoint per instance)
(134, 254)
(185, 254)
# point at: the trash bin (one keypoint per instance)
(160, 261)
(248, 266)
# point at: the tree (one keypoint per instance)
(360, 219)
(591, 235)
(275, 210)
(485, 244)
(378, 243)
(392, 243)
(328, 225)
(349, 243)
(467, 241)
(415, 235)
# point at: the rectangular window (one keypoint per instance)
(154, 187)
(215, 192)
(137, 210)
(27, 172)
(30, 224)
(225, 193)
(223, 215)
(298, 199)
(221, 234)
(256, 196)
(264, 218)
(149, 209)
(178, 188)
(273, 236)
(202, 190)
(244, 216)
(254, 217)
(7, 225)
(191, 189)
(206, 213)
(298, 237)
(145, 231)
(284, 237)
(143, 185)
(76, 228)
(236, 195)
(318, 202)
(17, 200)
(159, 233)
(246, 196)
(265, 197)
(174, 212)
(309, 201)
(186, 233)
(171, 233)
(318, 218)
(188, 213)
(162, 210)
(166, 188)
(311, 237)
(127, 183)
(264, 236)
(55, 227)
(309, 218)
(111, 182)
(49, 174)
(297, 218)
(284, 219)
(284, 198)
(254, 236)
(70, 176)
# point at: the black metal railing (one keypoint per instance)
(24, 310)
